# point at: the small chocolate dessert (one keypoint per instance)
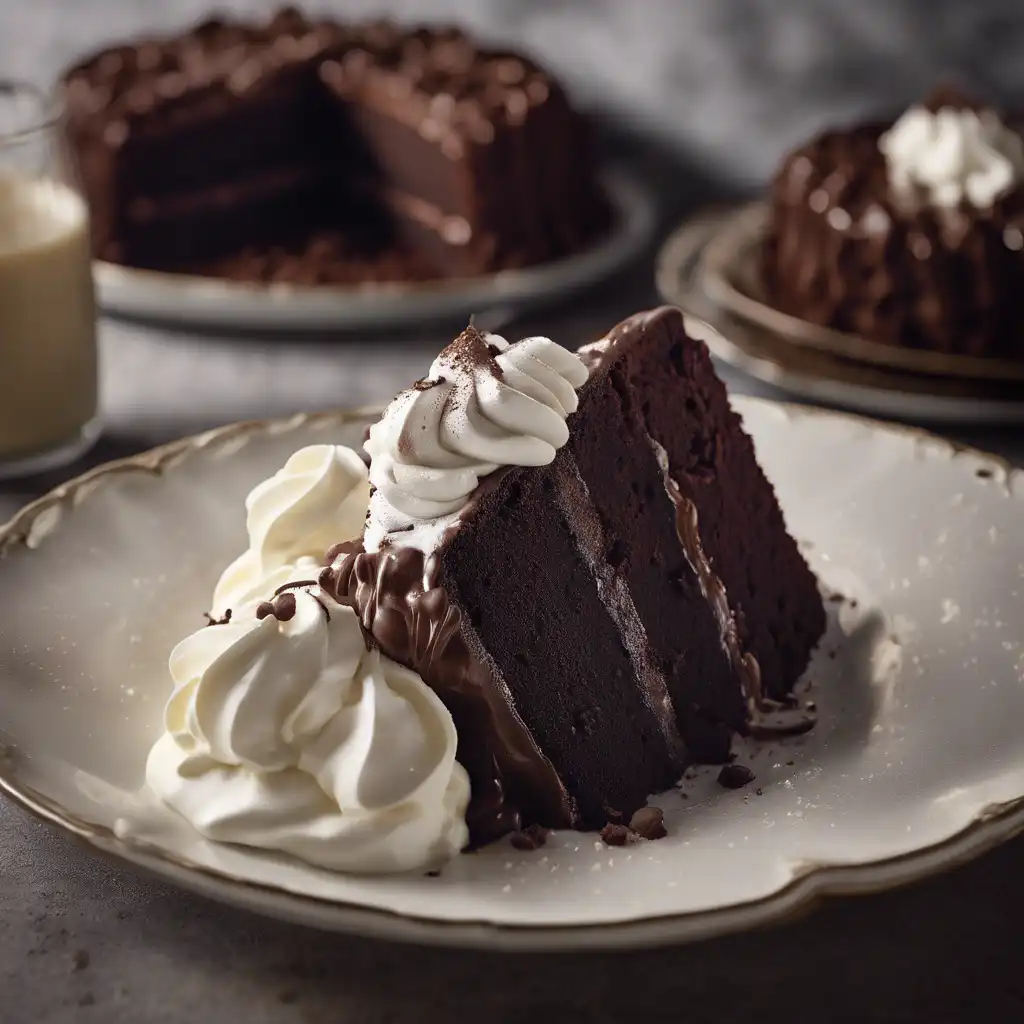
(908, 233)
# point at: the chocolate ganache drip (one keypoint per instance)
(397, 596)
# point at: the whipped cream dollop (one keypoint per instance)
(485, 404)
(319, 497)
(954, 155)
(285, 732)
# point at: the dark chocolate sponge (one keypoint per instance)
(596, 624)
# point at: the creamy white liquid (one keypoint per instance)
(48, 385)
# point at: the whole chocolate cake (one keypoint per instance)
(581, 556)
(309, 150)
(909, 233)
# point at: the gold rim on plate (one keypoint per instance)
(809, 883)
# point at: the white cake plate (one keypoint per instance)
(917, 761)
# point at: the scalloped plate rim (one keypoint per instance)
(810, 882)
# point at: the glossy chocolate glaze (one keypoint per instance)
(397, 595)
(847, 251)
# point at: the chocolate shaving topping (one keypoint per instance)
(735, 776)
(471, 353)
(222, 621)
(649, 823)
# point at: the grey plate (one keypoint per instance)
(207, 301)
(817, 375)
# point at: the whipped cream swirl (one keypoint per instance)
(485, 404)
(284, 732)
(954, 155)
(319, 497)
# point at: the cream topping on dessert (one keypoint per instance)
(954, 155)
(285, 732)
(485, 404)
(317, 498)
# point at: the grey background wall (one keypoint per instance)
(732, 81)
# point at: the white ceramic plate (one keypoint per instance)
(917, 761)
(817, 375)
(205, 301)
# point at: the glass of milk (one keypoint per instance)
(48, 361)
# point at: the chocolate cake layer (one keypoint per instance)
(472, 158)
(675, 397)
(845, 251)
(611, 616)
(522, 567)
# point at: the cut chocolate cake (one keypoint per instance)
(908, 233)
(582, 557)
(310, 150)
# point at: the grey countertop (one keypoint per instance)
(727, 84)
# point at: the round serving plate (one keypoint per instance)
(816, 375)
(210, 302)
(731, 277)
(916, 763)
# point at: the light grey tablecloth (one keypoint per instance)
(727, 84)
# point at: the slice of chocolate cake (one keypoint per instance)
(582, 557)
(420, 144)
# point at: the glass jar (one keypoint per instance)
(48, 355)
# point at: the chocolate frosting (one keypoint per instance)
(398, 596)
(846, 251)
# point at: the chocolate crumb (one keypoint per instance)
(984, 473)
(812, 706)
(222, 621)
(617, 835)
(530, 838)
(832, 655)
(434, 874)
(79, 960)
(283, 608)
(759, 791)
(789, 764)
(735, 776)
(649, 823)
(836, 597)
